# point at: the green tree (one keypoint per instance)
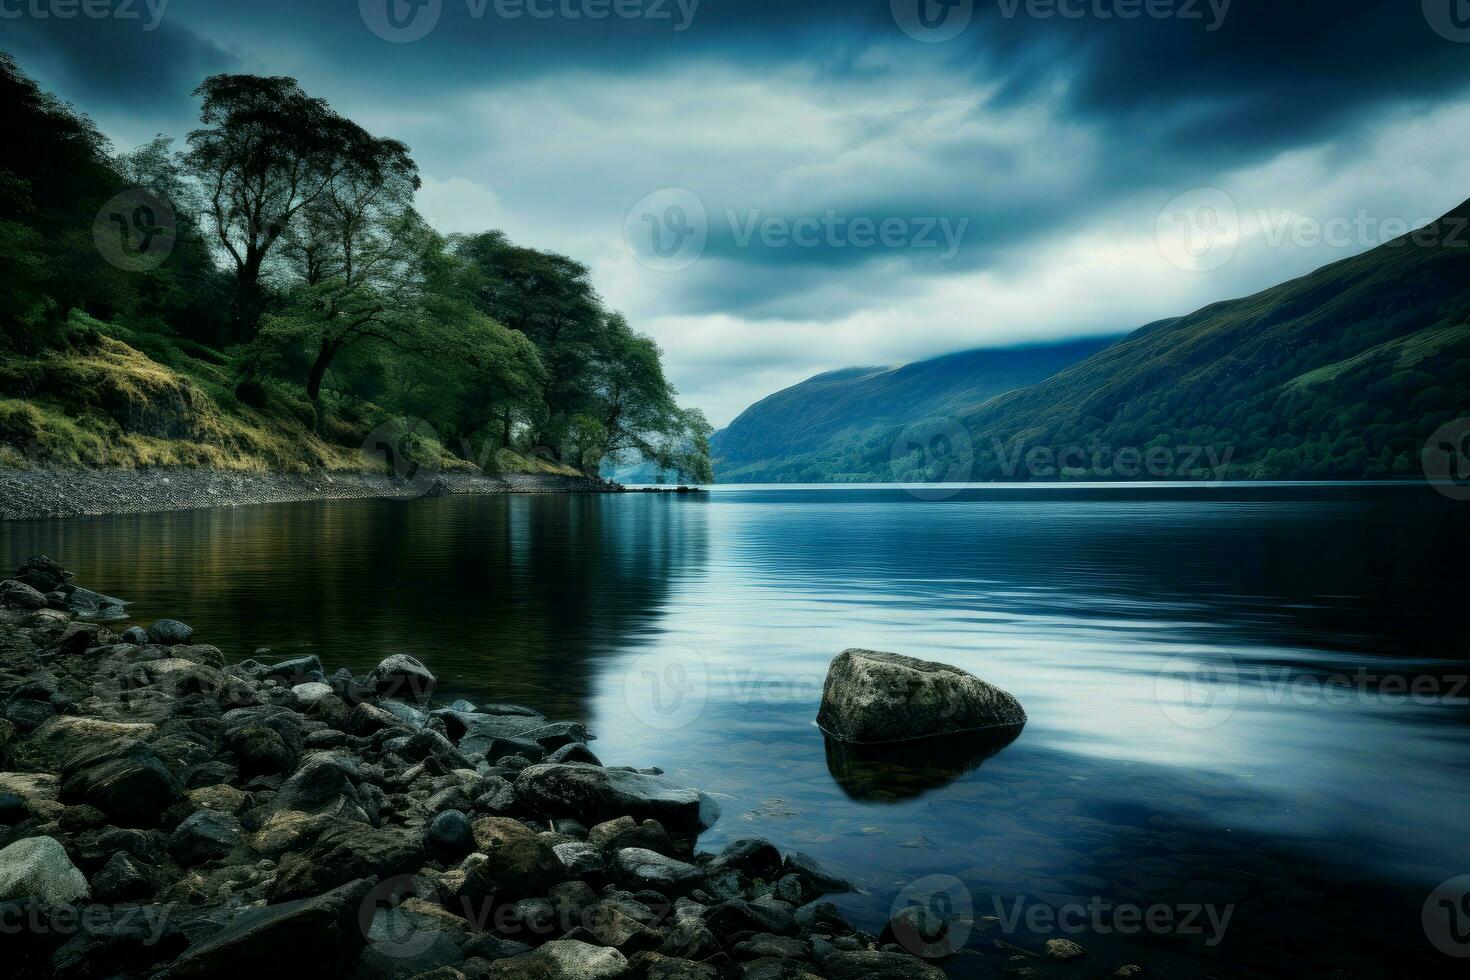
(266, 152)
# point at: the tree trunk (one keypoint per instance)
(314, 384)
(249, 304)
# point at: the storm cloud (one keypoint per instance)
(860, 183)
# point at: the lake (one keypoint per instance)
(1247, 746)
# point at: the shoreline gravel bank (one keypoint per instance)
(51, 493)
(165, 813)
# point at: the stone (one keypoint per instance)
(821, 917)
(627, 832)
(205, 836)
(27, 715)
(737, 915)
(656, 966)
(320, 781)
(450, 835)
(38, 867)
(314, 936)
(85, 602)
(563, 959)
(406, 713)
(580, 859)
(642, 868)
(558, 734)
(121, 879)
(43, 573)
(81, 637)
(346, 851)
(875, 698)
(402, 676)
(763, 945)
(18, 595)
(369, 719)
(123, 944)
(170, 632)
(297, 671)
(876, 965)
(754, 856)
(594, 795)
(127, 781)
(13, 809)
(611, 926)
(514, 863)
(261, 751)
(1064, 950)
(407, 952)
(817, 878)
(38, 789)
(574, 752)
(303, 696)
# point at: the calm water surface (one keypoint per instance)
(1212, 679)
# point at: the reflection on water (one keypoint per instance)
(1245, 701)
(904, 770)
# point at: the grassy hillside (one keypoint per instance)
(102, 401)
(828, 428)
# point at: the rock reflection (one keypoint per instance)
(905, 770)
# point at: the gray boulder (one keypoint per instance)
(127, 781)
(316, 936)
(594, 795)
(39, 868)
(873, 698)
(876, 965)
(18, 595)
(170, 632)
(641, 868)
(563, 959)
(402, 676)
(205, 836)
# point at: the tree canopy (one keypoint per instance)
(294, 279)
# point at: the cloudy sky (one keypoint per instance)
(775, 188)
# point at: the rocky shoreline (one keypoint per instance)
(166, 814)
(48, 493)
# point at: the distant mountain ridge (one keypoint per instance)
(805, 432)
(1345, 373)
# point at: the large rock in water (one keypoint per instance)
(872, 698)
(594, 795)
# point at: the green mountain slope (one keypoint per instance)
(1342, 374)
(821, 429)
